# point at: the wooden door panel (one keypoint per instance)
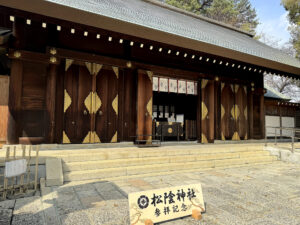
(84, 112)
(101, 122)
(113, 106)
(207, 111)
(106, 121)
(127, 127)
(227, 105)
(241, 112)
(144, 104)
(77, 100)
(70, 104)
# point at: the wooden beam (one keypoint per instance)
(14, 103)
(122, 63)
(33, 56)
(50, 101)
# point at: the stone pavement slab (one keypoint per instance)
(28, 211)
(257, 194)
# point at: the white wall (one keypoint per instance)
(272, 121)
(288, 122)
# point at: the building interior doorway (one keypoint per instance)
(174, 110)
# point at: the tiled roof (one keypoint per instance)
(147, 14)
(271, 93)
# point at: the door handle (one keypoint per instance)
(100, 113)
(73, 123)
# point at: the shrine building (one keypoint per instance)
(114, 71)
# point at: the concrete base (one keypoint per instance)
(54, 172)
(284, 155)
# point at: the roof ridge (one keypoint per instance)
(283, 96)
(218, 23)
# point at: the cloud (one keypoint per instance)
(276, 29)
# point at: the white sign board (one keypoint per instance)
(165, 204)
(15, 168)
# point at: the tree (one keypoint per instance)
(284, 85)
(238, 13)
(223, 11)
(295, 34)
(194, 6)
(293, 7)
(247, 17)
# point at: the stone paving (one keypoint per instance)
(256, 194)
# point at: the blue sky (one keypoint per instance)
(273, 20)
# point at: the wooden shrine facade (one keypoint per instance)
(71, 83)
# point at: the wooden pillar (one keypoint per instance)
(199, 100)
(211, 112)
(217, 107)
(262, 116)
(250, 113)
(144, 104)
(15, 86)
(18, 33)
(207, 111)
(14, 103)
(4, 87)
(50, 101)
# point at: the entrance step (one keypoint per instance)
(158, 168)
(128, 162)
(102, 164)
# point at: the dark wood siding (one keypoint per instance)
(33, 99)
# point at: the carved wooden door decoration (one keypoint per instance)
(90, 103)
(227, 117)
(144, 104)
(242, 112)
(207, 111)
(78, 85)
(234, 113)
(106, 120)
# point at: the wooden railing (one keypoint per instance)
(16, 175)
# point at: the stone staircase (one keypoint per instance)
(131, 162)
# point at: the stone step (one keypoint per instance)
(96, 155)
(109, 173)
(101, 164)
